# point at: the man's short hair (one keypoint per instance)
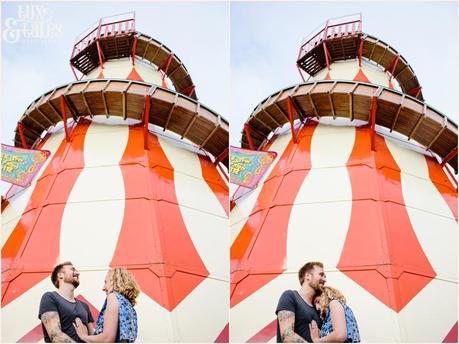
(307, 268)
(56, 270)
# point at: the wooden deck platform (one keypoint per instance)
(115, 97)
(120, 45)
(346, 46)
(350, 99)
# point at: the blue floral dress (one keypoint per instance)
(127, 320)
(353, 335)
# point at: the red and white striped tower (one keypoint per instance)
(362, 182)
(134, 179)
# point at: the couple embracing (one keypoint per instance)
(66, 319)
(315, 313)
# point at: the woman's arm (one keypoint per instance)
(110, 323)
(339, 333)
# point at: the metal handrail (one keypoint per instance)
(124, 25)
(350, 27)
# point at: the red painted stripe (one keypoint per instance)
(134, 75)
(154, 243)
(381, 252)
(258, 253)
(360, 76)
(34, 336)
(223, 337)
(24, 260)
(440, 180)
(451, 337)
(265, 334)
(215, 182)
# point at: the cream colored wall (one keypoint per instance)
(347, 70)
(122, 68)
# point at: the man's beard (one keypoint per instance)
(73, 281)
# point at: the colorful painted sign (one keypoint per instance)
(248, 166)
(20, 165)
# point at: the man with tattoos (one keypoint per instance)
(296, 310)
(59, 309)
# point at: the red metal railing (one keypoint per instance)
(330, 31)
(105, 27)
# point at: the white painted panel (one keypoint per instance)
(430, 216)
(344, 70)
(331, 145)
(316, 232)
(191, 188)
(89, 223)
(431, 314)
(418, 190)
(91, 284)
(18, 203)
(26, 309)
(377, 77)
(244, 206)
(203, 215)
(323, 205)
(154, 321)
(203, 314)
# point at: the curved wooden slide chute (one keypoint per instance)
(350, 99)
(123, 98)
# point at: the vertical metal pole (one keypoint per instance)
(326, 56)
(301, 74)
(134, 47)
(360, 51)
(247, 134)
(64, 118)
(21, 135)
(448, 157)
(146, 112)
(372, 121)
(290, 116)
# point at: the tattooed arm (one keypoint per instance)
(52, 323)
(286, 327)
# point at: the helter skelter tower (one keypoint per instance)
(361, 182)
(134, 179)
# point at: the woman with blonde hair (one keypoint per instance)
(117, 321)
(339, 324)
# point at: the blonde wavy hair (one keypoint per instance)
(122, 281)
(327, 294)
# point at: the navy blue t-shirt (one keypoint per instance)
(291, 301)
(68, 311)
